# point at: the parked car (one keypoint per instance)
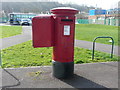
(25, 21)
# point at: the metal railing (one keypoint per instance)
(102, 37)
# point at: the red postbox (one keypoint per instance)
(63, 50)
(60, 29)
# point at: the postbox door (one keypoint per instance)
(64, 39)
(43, 31)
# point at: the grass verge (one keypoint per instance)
(24, 55)
(7, 31)
(88, 32)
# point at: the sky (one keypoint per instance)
(105, 4)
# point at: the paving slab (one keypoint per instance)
(95, 75)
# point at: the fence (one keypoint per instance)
(3, 19)
(113, 22)
(83, 21)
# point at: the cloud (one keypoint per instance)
(26, 0)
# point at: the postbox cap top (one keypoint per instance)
(64, 10)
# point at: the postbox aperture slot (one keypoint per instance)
(67, 20)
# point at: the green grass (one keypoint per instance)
(7, 31)
(88, 32)
(23, 55)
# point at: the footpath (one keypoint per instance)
(27, 35)
(93, 75)
(99, 47)
(17, 39)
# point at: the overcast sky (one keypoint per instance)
(105, 4)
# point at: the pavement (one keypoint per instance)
(17, 39)
(98, 46)
(94, 75)
(27, 35)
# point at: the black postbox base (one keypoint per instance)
(63, 70)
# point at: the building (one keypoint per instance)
(82, 15)
(109, 17)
